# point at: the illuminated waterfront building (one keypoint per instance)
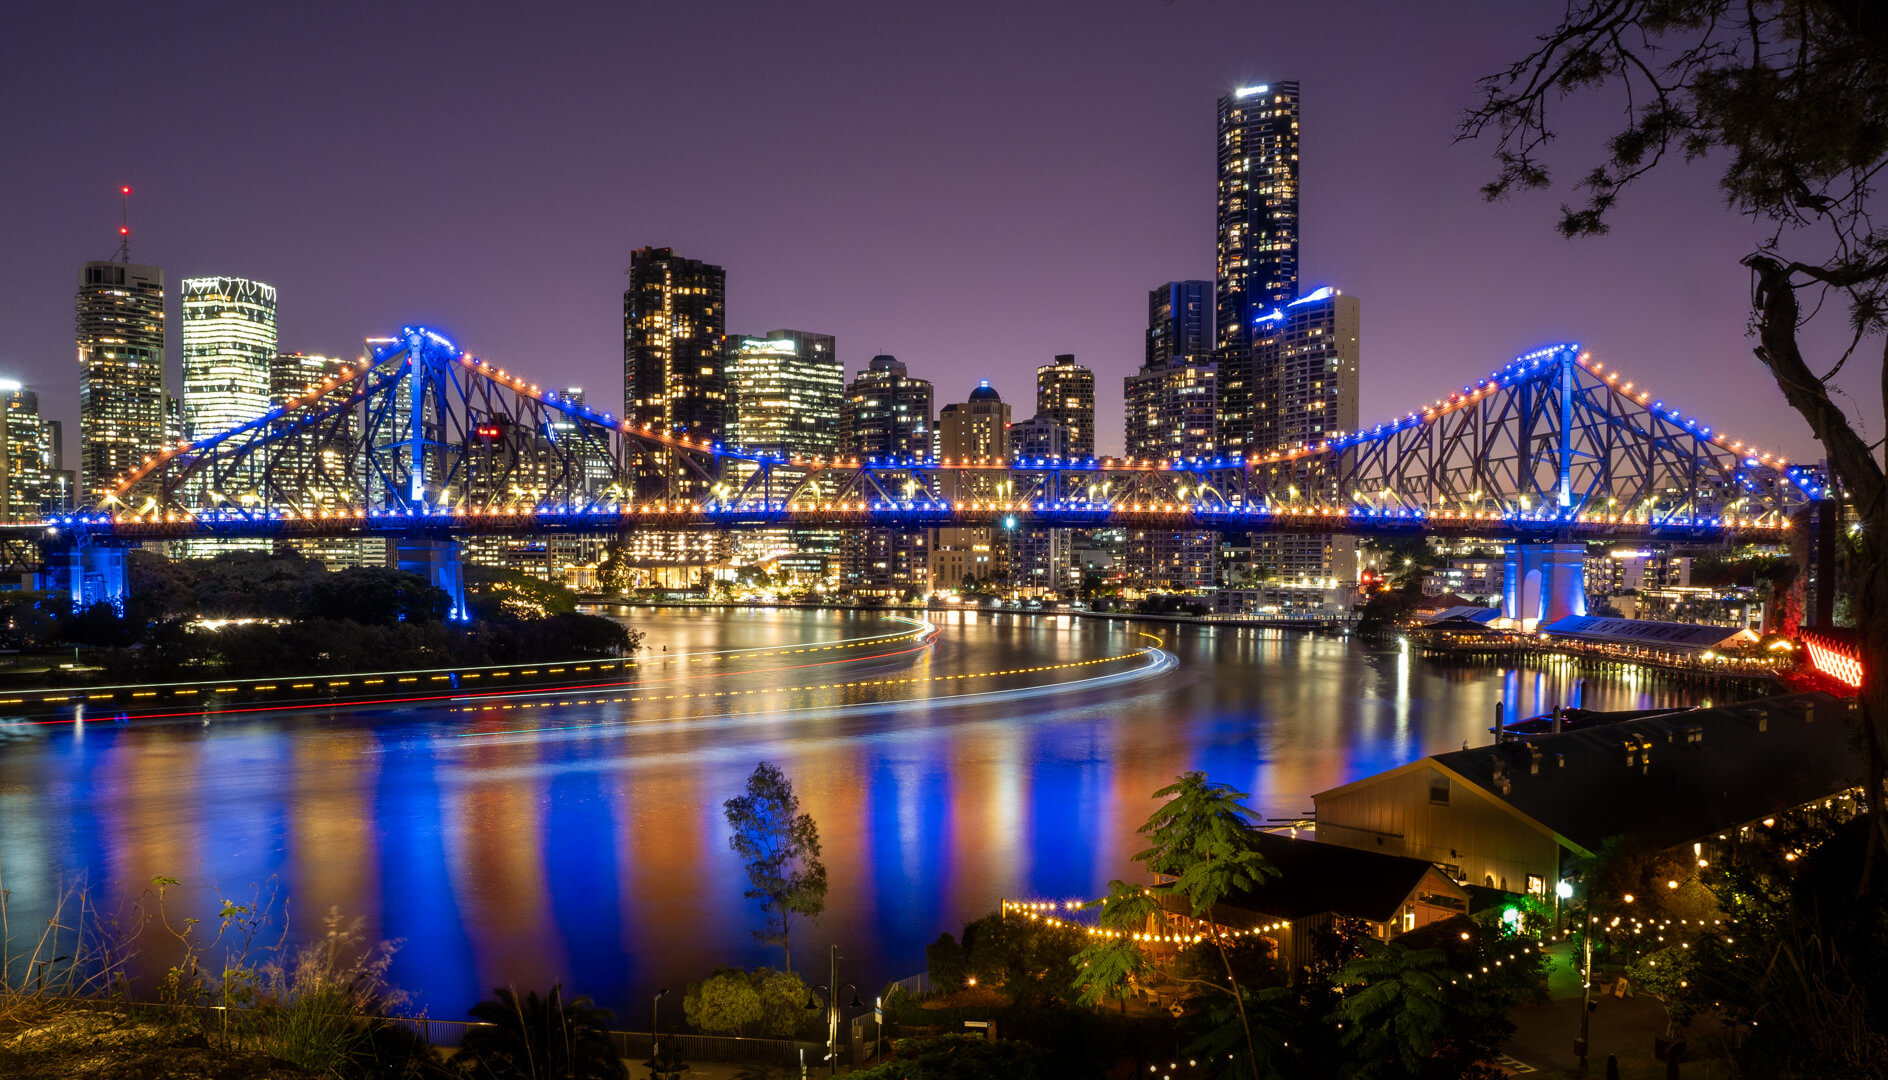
(1041, 559)
(1257, 263)
(674, 319)
(26, 454)
(1303, 369)
(321, 457)
(885, 413)
(229, 349)
(674, 381)
(1065, 394)
(1172, 414)
(787, 387)
(120, 331)
(973, 430)
(599, 473)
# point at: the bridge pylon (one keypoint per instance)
(1544, 582)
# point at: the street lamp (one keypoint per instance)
(655, 1023)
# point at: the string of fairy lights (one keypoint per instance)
(1045, 913)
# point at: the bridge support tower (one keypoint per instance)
(87, 573)
(437, 559)
(1544, 582)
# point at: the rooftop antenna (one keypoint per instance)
(124, 226)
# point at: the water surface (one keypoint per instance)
(578, 836)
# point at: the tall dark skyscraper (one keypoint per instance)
(1179, 323)
(1258, 208)
(885, 413)
(120, 329)
(674, 319)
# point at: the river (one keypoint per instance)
(578, 835)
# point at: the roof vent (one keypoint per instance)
(1560, 761)
(1809, 712)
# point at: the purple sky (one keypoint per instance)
(971, 187)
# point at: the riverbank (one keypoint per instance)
(1691, 671)
(1324, 625)
(147, 701)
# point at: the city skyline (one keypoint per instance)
(817, 251)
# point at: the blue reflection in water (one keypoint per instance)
(418, 908)
(597, 854)
(580, 839)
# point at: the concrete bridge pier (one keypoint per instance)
(1544, 582)
(437, 559)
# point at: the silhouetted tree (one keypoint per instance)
(780, 848)
(1792, 97)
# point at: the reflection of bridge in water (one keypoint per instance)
(426, 444)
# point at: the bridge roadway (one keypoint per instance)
(84, 554)
(101, 528)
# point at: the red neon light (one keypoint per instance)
(1833, 660)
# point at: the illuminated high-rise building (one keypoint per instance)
(1257, 265)
(1065, 394)
(292, 375)
(786, 387)
(1303, 367)
(886, 413)
(674, 320)
(1041, 559)
(229, 348)
(1173, 413)
(120, 331)
(25, 453)
(973, 430)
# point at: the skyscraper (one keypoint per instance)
(886, 413)
(1065, 394)
(1040, 559)
(1257, 264)
(674, 320)
(120, 330)
(1304, 372)
(1173, 412)
(786, 389)
(229, 348)
(1179, 323)
(973, 430)
(25, 454)
(319, 457)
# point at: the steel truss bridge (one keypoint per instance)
(426, 443)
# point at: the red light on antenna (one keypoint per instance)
(124, 230)
(124, 191)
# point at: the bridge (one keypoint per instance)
(424, 443)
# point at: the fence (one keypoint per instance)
(631, 1045)
(638, 1046)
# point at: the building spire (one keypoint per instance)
(124, 226)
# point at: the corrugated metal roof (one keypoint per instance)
(1672, 779)
(1471, 612)
(1671, 635)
